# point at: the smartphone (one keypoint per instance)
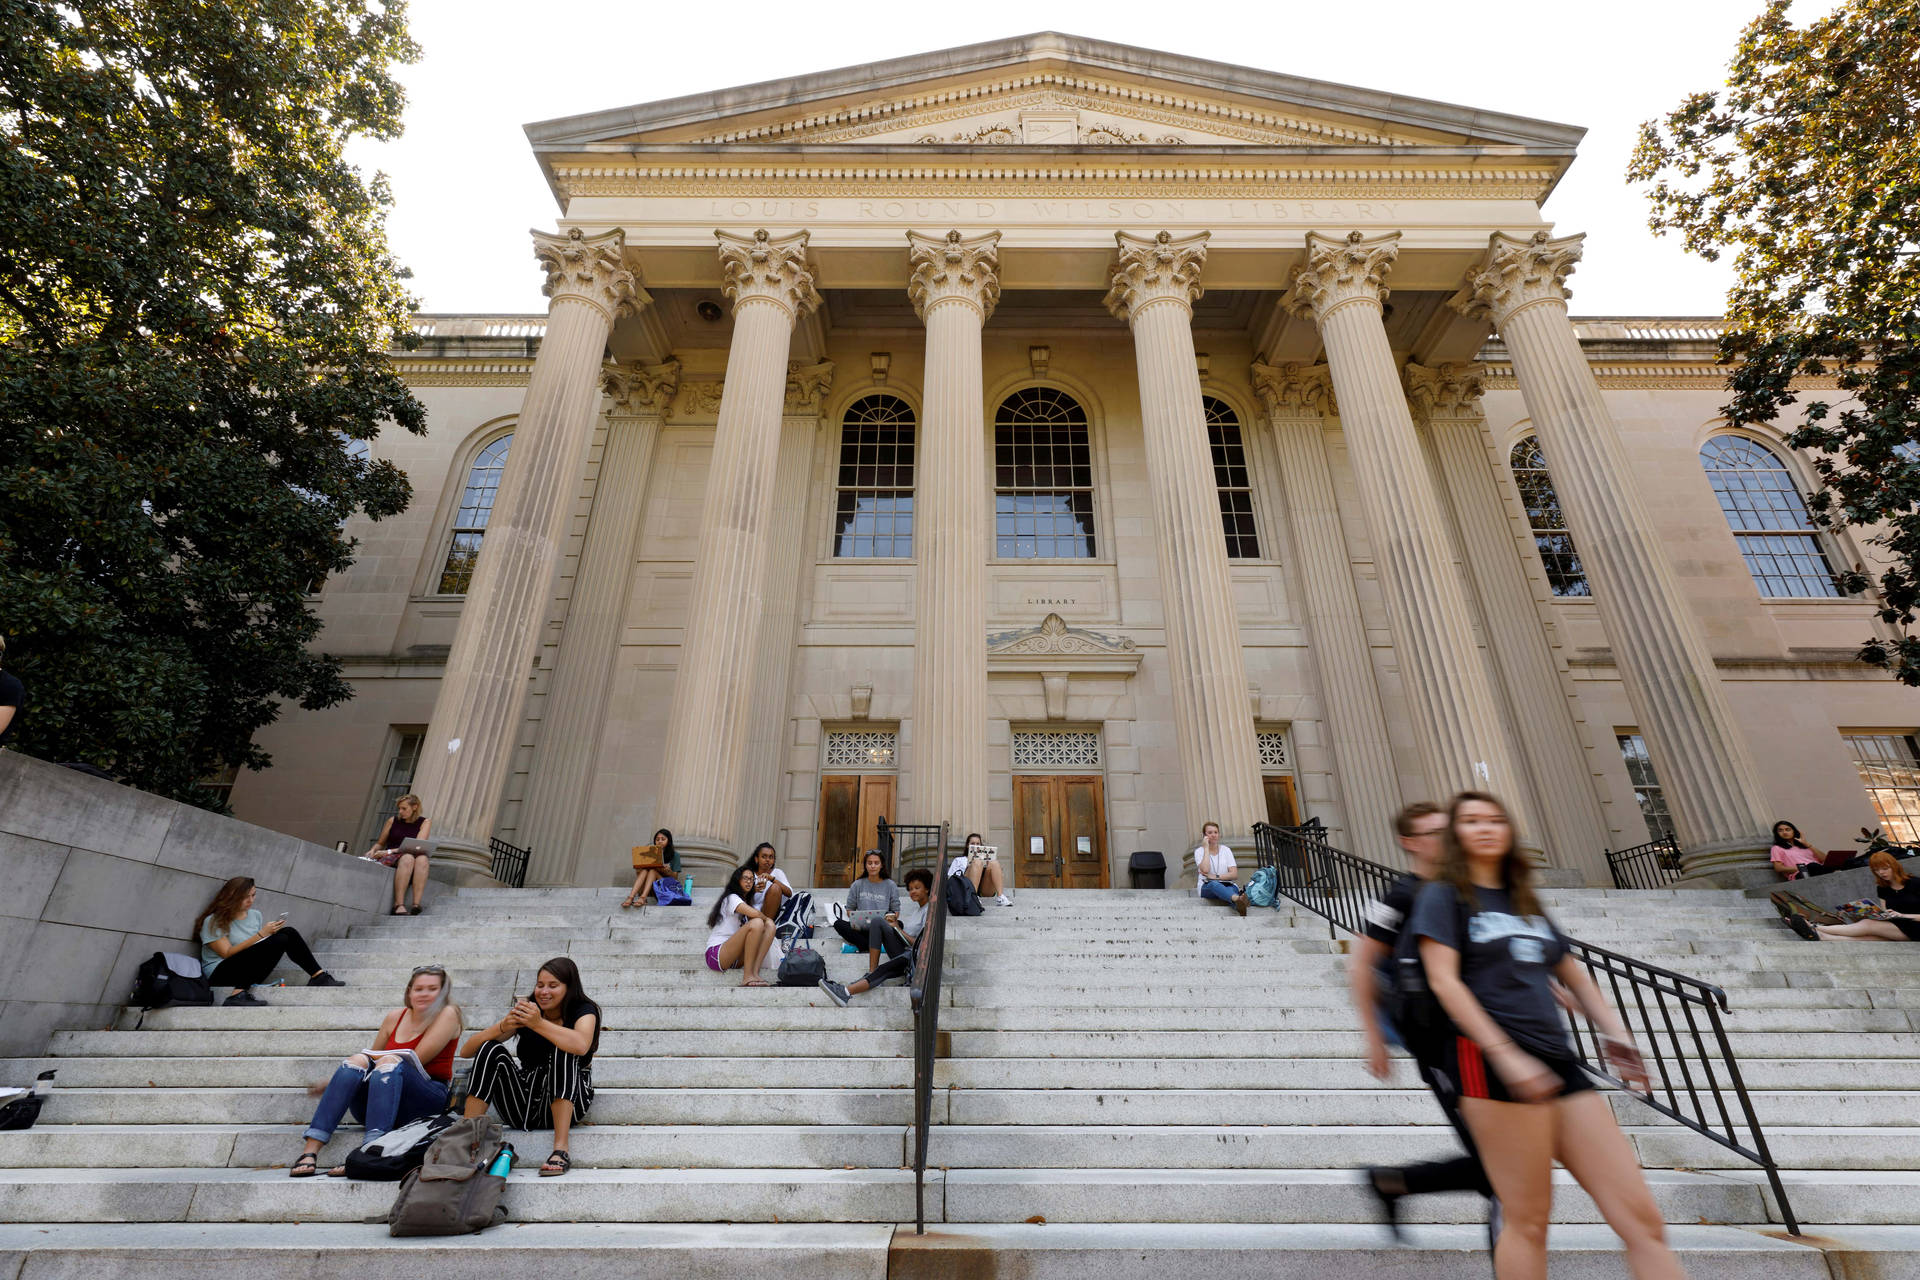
(281, 918)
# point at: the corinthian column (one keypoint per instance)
(1456, 721)
(1299, 398)
(954, 286)
(476, 718)
(1446, 401)
(556, 808)
(1719, 808)
(771, 285)
(1155, 284)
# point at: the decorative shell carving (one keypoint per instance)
(1053, 635)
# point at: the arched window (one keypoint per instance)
(1230, 476)
(1549, 526)
(1768, 517)
(874, 514)
(470, 523)
(1042, 477)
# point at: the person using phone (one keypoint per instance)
(981, 866)
(555, 1033)
(239, 947)
(1218, 875)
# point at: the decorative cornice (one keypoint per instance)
(954, 269)
(807, 386)
(642, 390)
(1450, 390)
(1517, 274)
(763, 268)
(1295, 390)
(590, 269)
(419, 372)
(1339, 272)
(1163, 269)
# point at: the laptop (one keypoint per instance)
(419, 848)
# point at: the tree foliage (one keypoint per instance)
(1806, 168)
(196, 301)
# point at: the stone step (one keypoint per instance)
(608, 1072)
(722, 1041)
(1343, 1042)
(885, 1009)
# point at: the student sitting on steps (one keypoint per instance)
(1218, 876)
(909, 923)
(387, 1091)
(872, 902)
(770, 884)
(238, 948)
(555, 1035)
(982, 868)
(741, 933)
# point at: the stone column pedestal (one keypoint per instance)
(1155, 284)
(477, 715)
(771, 285)
(1719, 808)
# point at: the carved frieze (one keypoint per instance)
(1055, 647)
(701, 399)
(641, 389)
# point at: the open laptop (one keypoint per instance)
(419, 848)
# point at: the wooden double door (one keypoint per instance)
(1067, 815)
(851, 806)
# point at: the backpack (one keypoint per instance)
(1408, 1002)
(794, 921)
(166, 978)
(802, 967)
(962, 898)
(451, 1193)
(669, 892)
(397, 1152)
(1788, 903)
(1260, 889)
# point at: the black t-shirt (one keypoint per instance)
(1905, 899)
(1506, 961)
(1387, 915)
(12, 694)
(535, 1050)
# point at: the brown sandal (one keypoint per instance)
(306, 1166)
(566, 1163)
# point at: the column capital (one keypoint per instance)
(641, 390)
(1295, 390)
(807, 387)
(768, 268)
(590, 269)
(1516, 274)
(1450, 390)
(1338, 272)
(1162, 269)
(954, 268)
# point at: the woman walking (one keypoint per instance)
(1491, 957)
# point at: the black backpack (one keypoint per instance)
(163, 979)
(802, 967)
(397, 1152)
(962, 898)
(1416, 1013)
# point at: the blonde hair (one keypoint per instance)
(411, 799)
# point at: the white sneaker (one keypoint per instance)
(1003, 901)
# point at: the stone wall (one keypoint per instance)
(95, 877)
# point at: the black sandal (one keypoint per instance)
(566, 1163)
(306, 1166)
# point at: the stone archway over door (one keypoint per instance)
(1067, 813)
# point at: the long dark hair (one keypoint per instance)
(672, 854)
(225, 907)
(575, 1001)
(753, 859)
(1794, 841)
(732, 886)
(1516, 873)
(886, 864)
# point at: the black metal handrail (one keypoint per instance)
(909, 845)
(509, 863)
(1690, 1068)
(1653, 865)
(929, 958)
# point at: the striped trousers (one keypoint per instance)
(524, 1096)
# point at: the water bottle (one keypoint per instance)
(503, 1163)
(688, 881)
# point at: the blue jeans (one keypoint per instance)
(1220, 891)
(384, 1097)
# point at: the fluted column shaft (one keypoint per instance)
(701, 779)
(1155, 284)
(1457, 722)
(1573, 824)
(1708, 777)
(477, 715)
(1298, 400)
(555, 811)
(954, 285)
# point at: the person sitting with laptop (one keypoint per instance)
(402, 845)
(863, 921)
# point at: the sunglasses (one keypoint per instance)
(428, 968)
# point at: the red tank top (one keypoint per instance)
(441, 1068)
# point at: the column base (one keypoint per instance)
(471, 864)
(1733, 864)
(708, 860)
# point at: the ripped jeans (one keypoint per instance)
(384, 1097)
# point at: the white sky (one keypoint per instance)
(468, 188)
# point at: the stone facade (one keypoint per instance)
(1156, 260)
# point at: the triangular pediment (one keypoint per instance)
(1047, 90)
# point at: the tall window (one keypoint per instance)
(1231, 478)
(874, 516)
(1646, 786)
(1549, 526)
(1042, 477)
(396, 777)
(1889, 765)
(470, 524)
(1768, 517)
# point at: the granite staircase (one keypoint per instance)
(1135, 1082)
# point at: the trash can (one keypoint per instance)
(1147, 869)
